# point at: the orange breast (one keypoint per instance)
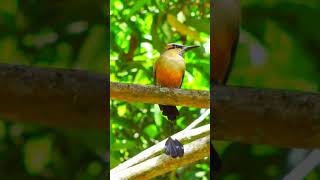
(168, 78)
(169, 69)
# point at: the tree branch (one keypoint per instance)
(156, 95)
(56, 97)
(74, 98)
(198, 120)
(182, 136)
(304, 167)
(263, 116)
(162, 164)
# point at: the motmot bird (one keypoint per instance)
(169, 72)
(226, 29)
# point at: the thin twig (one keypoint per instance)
(305, 167)
(157, 148)
(199, 120)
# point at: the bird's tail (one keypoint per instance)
(170, 111)
(173, 147)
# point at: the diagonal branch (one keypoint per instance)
(198, 120)
(142, 166)
(162, 164)
(183, 136)
(305, 167)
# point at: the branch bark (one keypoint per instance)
(162, 164)
(182, 136)
(74, 98)
(56, 97)
(264, 116)
(156, 95)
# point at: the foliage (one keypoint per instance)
(279, 48)
(139, 32)
(52, 34)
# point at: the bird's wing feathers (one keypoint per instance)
(182, 79)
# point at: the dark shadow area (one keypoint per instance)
(278, 48)
(54, 34)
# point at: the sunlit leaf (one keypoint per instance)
(37, 154)
(151, 130)
(182, 28)
(125, 144)
(137, 7)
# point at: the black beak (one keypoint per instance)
(187, 48)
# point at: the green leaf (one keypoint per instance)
(37, 154)
(122, 110)
(93, 52)
(202, 25)
(263, 150)
(151, 130)
(137, 7)
(157, 116)
(124, 144)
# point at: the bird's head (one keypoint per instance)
(180, 48)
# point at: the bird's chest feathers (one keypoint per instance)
(170, 70)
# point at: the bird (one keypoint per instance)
(169, 72)
(225, 37)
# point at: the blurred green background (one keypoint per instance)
(65, 34)
(279, 48)
(139, 32)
